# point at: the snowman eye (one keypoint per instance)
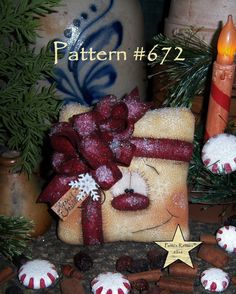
(131, 182)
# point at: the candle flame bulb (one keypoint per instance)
(226, 45)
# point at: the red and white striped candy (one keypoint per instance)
(215, 280)
(219, 154)
(226, 238)
(110, 283)
(37, 274)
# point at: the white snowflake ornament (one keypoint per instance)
(87, 186)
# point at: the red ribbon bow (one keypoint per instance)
(95, 142)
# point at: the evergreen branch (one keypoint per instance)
(205, 186)
(22, 19)
(184, 78)
(14, 235)
(27, 120)
(29, 109)
(23, 68)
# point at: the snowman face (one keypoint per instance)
(150, 200)
(131, 192)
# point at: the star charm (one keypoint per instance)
(178, 248)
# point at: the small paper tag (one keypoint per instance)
(67, 203)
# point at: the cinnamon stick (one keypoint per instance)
(149, 276)
(213, 255)
(6, 274)
(71, 272)
(181, 269)
(71, 285)
(208, 239)
(157, 290)
(234, 280)
(176, 284)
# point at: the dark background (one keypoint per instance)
(155, 12)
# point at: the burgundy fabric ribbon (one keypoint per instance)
(96, 142)
(171, 149)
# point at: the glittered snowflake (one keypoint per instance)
(87, 186)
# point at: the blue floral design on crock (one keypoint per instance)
(85, 81)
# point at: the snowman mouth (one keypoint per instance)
(130, 201)
(159, 225)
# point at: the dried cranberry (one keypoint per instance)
(139, 265)
(231, 221)
(19, 260)
(156, 258)
(124, 263)
(83, 261)
(140, 285)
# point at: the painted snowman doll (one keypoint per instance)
(148, 198)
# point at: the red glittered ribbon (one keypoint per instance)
(163, 148)
(97, 142)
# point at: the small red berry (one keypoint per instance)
(140, 285)
(139, 265)
(124, 263)
(83, 261)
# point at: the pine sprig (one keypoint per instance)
(183, 79)
(26, 120)
(205, 186)
(23, 69)
(14, 235)
(27, 109)
(22, 19)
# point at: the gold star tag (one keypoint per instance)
(178, 248)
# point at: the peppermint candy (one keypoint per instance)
(219, 154)
(110, 282)
(37, 274)
(215, 280)
(226, 238)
